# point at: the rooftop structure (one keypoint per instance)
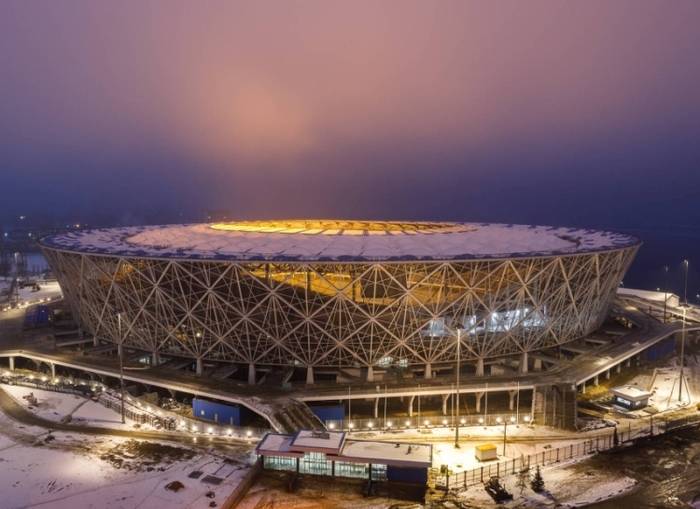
(342, 241)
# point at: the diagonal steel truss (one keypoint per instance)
(340, 314)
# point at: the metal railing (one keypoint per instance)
(479, 475)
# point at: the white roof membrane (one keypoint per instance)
(405, 242)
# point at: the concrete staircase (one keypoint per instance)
(293, 416)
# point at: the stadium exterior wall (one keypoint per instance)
(340, 315)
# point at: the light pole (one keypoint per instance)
(385, 397)
(459, 349)
(665, 290)
(685, 285)
(505, 430)
(680, 381)
(121, 364)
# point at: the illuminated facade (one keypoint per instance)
(340, 294)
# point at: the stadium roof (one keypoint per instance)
(341, 241)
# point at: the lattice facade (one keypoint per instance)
(340, 314)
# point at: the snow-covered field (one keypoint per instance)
(464, 458)
(48, 290)
(70, 470)
(55, 406)
(567, 485)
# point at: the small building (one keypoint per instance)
(485, 452)
(630, 397)
(330, 453)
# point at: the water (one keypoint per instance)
(667, 469)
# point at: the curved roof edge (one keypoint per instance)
(476, 241)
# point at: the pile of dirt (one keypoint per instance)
(140, 456)
(174, 486)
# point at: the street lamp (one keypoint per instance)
(685, 285)
(680, 381)
(505, 430)
(121, 364)
(459, 349)
(665, 290)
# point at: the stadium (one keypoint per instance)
(344, 297)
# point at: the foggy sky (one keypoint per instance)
(578, 113)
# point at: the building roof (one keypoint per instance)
(339, 241)
(338, 448)
(277, 444)
(388, 453)
(318, 441)
(630, 392)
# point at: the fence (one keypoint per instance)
(605, 442)
(482, 474)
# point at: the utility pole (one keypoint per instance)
(385, 398)
(121, 364)
(680, 381)
(418, 404)
(665, 290)
(459, 349)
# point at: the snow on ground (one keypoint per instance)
(55, 406)
(69, 470)
(663, 384)
(50, 405)
(458, 460)
(567, 485)
(665, 390)
(464, 458)
(42, 477)
(48, 290)
(95, 414)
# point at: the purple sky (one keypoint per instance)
(583, 113)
